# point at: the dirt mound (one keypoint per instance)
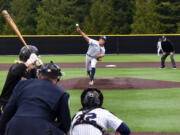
(118, 83)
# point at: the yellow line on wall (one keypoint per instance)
(122, 35)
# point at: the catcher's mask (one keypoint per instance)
(24, 53)
(91, 98)
(50, 70)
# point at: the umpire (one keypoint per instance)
(168, 49)
(37, 106)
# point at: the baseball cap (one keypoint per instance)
(103, 37)
(163, 37)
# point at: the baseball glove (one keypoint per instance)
(99, 59)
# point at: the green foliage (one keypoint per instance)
(178, 28)
(3, 6)
(82, 9)
(56, 17)
(169, 16)
(100, 19)
(123, 16)
(23, 13)
(94, 16)
(165, 10)
(146, 19)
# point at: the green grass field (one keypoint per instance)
(108, 58)
(143, 110)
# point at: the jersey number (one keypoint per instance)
(90, 117)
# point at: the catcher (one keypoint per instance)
(92, 119)
(95, 53)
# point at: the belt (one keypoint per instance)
(91, 56)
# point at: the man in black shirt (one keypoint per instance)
(25, 68)
(168, 49)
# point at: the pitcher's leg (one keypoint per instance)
(88, 65)
(93, 71)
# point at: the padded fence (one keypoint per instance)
(75, 44)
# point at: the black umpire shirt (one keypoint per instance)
(16, 72)
(167, 46)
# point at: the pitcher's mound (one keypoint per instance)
(118, 83)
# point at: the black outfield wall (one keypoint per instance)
(77, 45)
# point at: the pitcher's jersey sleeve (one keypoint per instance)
(93, 42)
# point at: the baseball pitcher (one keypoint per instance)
(96, 52)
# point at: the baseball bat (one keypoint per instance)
(10, 21)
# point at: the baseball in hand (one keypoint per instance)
(77, 25)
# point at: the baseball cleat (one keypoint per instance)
(162, 67)
(174, 68)
(91, 82)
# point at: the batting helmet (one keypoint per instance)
(103, 37)
(91, 98)
(50, 70)
(25, 53)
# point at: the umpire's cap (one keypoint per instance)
(50, 70)
(163, 37)
(25, 53)
(103, 37)
(91, 98)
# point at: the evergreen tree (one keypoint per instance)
(178, 28)
(169, 16)
(100, 19)
(23, 13)
(123, 10)
(4, 5)
(82, 9)
(56, 17)
(146, 19)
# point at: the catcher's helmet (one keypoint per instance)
(91, 98)
(103, 37)
(24, 53)
(50, 70)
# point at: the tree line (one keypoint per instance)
(94, 16)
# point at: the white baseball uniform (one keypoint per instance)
(93, 50)
(159, 47)
(101, 117)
